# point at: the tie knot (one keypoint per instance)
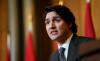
(62, 49)
(61, 54)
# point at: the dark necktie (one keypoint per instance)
(61, 54)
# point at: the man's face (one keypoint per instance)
(55, 26)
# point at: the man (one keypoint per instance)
(61, 27)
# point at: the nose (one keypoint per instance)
(52, 25)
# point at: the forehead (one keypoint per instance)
(51, 14)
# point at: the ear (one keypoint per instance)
(70, 25)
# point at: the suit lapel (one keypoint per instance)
(73, 49)
(54, 56)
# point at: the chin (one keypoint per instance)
(53, 38)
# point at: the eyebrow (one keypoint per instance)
(53, 17)
(57, 17)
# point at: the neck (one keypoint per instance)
(64, 38)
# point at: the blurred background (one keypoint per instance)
(22, 31)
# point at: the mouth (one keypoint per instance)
(53, 32)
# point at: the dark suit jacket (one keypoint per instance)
(74, 49)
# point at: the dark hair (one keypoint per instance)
(65, 14)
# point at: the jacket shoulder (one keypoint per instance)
(84, 39)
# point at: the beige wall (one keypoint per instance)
(78, 8)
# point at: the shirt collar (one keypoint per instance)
(66, 44)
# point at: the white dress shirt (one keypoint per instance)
(65, 45)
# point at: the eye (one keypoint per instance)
(57, 18)
(47, 21)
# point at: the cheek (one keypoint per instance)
(61, 28)
(61, 25)
(47, 29)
